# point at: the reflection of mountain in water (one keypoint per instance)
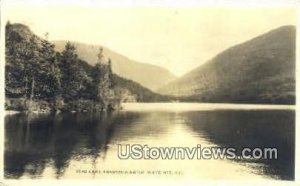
(31, 144)
(32, 141)
(38, 143)
(253, 129)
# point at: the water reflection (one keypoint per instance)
(37, 142)
(252, 129)
(31, 140)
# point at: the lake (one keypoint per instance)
(84, 145)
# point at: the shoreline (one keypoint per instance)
(11, 112)
(184, 106)
(194, 106)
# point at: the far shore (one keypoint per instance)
(184, 106)
(11, 112)
(193, 106)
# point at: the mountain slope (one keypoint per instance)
(19, 34)
(261, 70)
(147, 75)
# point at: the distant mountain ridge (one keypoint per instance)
(17, 34)
(261, 70)
(148, 75)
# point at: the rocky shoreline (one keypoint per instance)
(18, 105)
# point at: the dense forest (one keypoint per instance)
(39, 78)
(143, 73)
(260, 70)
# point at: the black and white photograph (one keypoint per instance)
(148, 92)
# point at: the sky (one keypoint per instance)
(176, 38)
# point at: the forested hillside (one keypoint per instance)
(39, 78)
(261, 70)
(149, 76)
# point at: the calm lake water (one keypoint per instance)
(84, 145)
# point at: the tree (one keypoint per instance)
(68, 67)
(30, 54)
(49, 73)
(14, 66)
(110, 73)
(22, 65)
(102, 81)
(100, 56)
(74, 77)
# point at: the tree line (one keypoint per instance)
(36, 71)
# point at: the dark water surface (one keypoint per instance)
(58, 146)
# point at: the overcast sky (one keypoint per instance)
(178, 39)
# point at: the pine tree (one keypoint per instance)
(110, 73)
(14, 66)
(31, 58)
(28, 53)
(49, 72)
(73, 76)
(102, 80)
(100, 56)
(67, 66)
